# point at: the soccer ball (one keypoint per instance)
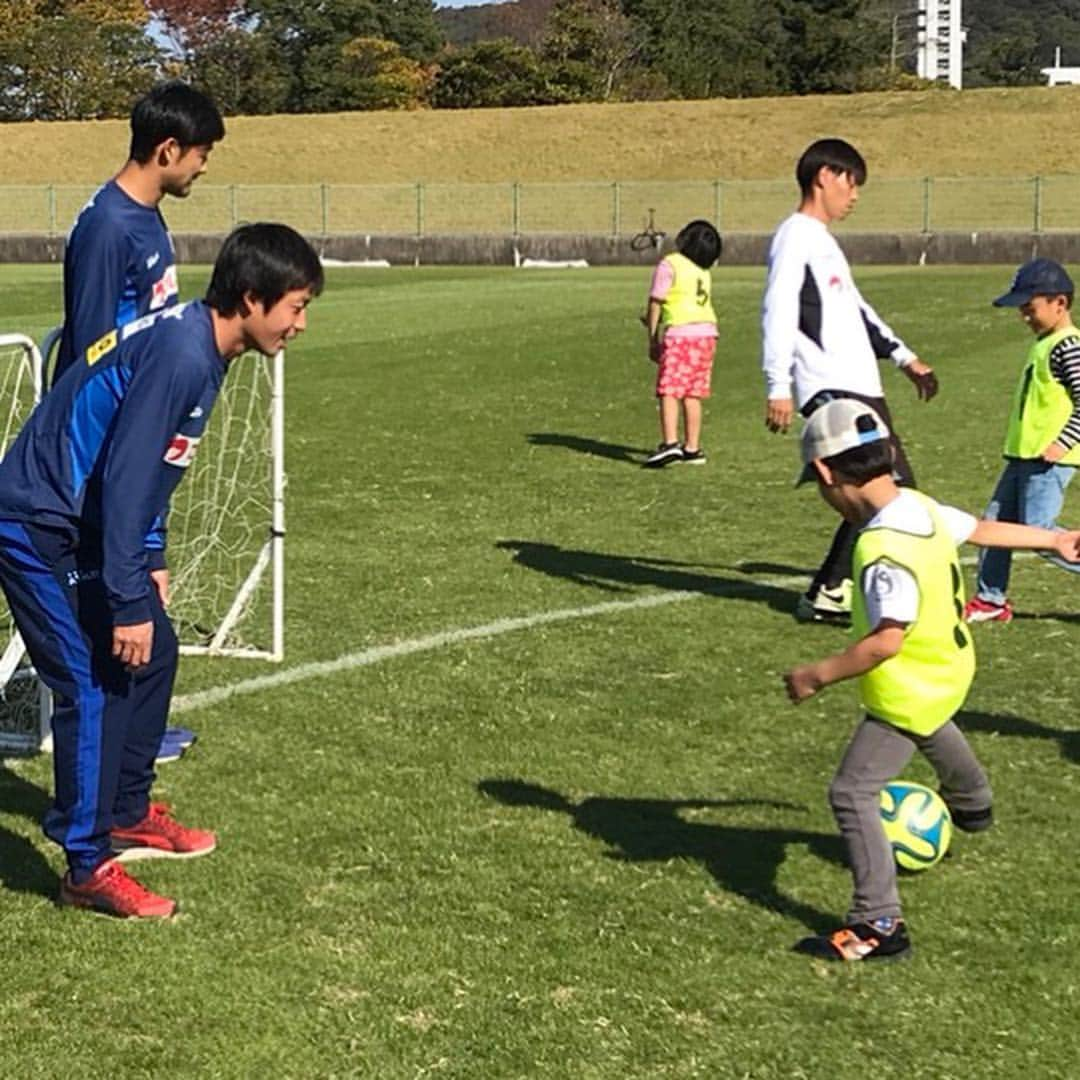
(917, 824)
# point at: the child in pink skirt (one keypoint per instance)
(681, 324)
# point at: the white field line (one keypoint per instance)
(375, 655)
(202, 699)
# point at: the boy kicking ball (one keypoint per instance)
(912, 654)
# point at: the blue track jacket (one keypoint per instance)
(119, 265)
(99, 458)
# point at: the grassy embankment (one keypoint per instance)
(975, 133)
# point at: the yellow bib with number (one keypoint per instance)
(924, 684)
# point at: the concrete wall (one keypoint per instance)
(740, 249)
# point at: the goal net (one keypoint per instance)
(226, 530)
(226, 527)
(24, 706)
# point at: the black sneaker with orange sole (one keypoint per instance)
(881, 939)
(972, 820)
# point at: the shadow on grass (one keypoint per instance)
(1039, 616)
(22, 866)
(632, 455)
(623, 573)
(1003, 724)
(779, 569)
(741, 860)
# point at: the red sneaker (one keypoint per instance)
(112, 891)
(160, 836)
(979, 610)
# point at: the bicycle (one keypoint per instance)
(650, 235)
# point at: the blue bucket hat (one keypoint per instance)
(1040, 277)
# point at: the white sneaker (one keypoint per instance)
(830, 605)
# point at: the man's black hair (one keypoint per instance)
(266, 260)
(833, 154)
(862, 463)
(173, 110)
(700, 243)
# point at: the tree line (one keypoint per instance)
(82, 59)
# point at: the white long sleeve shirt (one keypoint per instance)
(818, 333)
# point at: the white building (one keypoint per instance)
(940, 41)
(1061, 76)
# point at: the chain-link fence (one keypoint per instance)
(621, 208)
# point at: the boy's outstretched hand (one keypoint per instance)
(1067, 545)
(802, 682)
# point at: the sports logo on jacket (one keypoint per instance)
(181, 450)
(166, 287)
(100, 347)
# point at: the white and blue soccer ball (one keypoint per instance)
(917, 824)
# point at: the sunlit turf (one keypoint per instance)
(582, 849)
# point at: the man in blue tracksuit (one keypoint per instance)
(82, 493)
(119, 263)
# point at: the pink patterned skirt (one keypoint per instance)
(686, 367)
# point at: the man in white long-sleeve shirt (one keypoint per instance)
(821, 340)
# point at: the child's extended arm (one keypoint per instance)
(882, 642)
(1006, 534)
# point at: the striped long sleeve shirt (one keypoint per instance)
(1065, 367)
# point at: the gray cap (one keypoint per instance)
(839, 425)
(1039, 277)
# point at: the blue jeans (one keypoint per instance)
(1029, 492)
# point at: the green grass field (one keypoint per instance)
(579, 848)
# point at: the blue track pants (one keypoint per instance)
(108, 723)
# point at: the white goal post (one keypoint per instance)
(25, 706)
(226, 528)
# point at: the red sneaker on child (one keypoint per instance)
(979, 610)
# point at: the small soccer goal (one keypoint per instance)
(24, 705)
(226, 529)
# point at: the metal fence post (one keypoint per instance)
(928, 184)
(616, 210)
(718, 195)
(1038, 209)
(324, 199)
(51, 200)
(515, 209)
(419, 210)
(233, 218)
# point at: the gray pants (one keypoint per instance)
(876, 754)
